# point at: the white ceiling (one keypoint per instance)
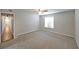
(51, 11)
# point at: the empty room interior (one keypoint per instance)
(39, 29)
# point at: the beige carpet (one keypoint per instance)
(40, 40)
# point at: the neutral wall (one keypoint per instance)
(25, 22)
(63, 22)
(77, 26)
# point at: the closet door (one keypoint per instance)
(7, 27)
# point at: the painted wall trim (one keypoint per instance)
(58, 33)
(24, 33)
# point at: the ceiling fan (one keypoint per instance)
(40, 11)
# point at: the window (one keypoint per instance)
(49, 22)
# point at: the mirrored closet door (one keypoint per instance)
(7, 27)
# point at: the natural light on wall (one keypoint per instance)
(49, 22)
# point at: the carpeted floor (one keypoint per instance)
(40, 40)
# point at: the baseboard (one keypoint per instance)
(58, 33)
(43, 30)
(64, 34)
(25, 33)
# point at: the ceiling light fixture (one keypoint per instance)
(40, 11)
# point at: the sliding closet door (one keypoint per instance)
(7, 27)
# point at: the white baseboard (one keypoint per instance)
(58, 33)
(64, 34)
(43, 30)
(24, 33)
